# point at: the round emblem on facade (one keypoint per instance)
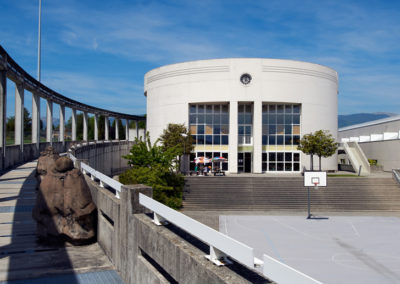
(245, 79)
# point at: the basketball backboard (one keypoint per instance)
(314, 179)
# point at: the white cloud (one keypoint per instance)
(360, 40)
(114, 94)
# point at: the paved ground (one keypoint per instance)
(21, 257)
(100, 277)
(332, 249)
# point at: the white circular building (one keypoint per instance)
(251, 111)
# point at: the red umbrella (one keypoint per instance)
(202, 160)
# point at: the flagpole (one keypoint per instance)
(39, 40)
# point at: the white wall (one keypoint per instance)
(171, 88)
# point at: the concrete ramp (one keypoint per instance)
(357, 158)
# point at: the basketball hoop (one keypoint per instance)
(315, 181)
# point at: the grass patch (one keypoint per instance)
(344, 175)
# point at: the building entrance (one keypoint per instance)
(244, 162)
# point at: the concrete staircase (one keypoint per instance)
(357, 158)
(288, 194)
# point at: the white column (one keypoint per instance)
(233, 137)
(96, 127)
(145, 131)
(36, 119)
(3, 108)
(73, 130)
(85, 126)
(127, 130)
(49, 124)
(19, 116)
(62, 124)
(137, 129)
(116, 129)
(106, 128)
(257, 137)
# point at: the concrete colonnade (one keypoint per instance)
(19, 119)
(11, 72)
(3, 112)
(19, 115)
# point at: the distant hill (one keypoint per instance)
(356, 118)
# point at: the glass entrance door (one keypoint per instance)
(244, 162)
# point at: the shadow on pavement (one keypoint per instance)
(24, 255)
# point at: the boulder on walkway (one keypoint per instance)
(64, 210)
(46, 162)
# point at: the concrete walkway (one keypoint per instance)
(21, 257)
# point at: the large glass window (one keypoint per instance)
(209, 124)
(281, 124)
(245, 124)
(281, 161)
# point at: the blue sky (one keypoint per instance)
(98, 51)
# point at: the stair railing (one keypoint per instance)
(396, 175)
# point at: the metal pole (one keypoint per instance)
(308, 203)
(39, 39)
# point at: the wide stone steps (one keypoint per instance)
(288, 193)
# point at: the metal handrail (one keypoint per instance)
(217, 241)
(396, 175)
(103, 179)
(223, 246)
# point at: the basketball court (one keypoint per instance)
(331, 249)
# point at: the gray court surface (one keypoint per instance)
(334, 249)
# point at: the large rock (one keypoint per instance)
(46, 162)
(64, 209)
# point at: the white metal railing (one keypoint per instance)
(282, 273)
(103, 179)
(396, 175)
(72, 157)
(223, 246)
(220, 244)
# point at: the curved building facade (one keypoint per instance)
(251, 111)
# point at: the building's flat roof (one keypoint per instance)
(240, 58)
(370, 123)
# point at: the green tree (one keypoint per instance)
(141, 124)
(320, 143)
(153, 166)
(10, 126)
(27, 121)
(121, 130)
(79, 127)
(326, 145)
(178, 140)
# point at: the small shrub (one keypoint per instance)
(373, 162)
(167, 186)
(153, 166)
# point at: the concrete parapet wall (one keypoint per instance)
(145, 253)
(105, 157)
(15, 155)
(141, 251)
